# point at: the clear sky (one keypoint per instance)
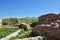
(28, 8)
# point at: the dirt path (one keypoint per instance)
(14, 34)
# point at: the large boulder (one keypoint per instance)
(25, 26)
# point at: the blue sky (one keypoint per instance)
(28, 8)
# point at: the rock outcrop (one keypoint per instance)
(48, 25)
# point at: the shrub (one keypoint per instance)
(33, 24)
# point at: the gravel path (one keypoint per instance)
(14, 34)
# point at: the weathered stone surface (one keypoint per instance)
(48, 31)
(48, 18)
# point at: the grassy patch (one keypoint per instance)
(7, 31)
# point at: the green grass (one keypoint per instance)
(20, 36)
(7, 31)
(28, 20)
